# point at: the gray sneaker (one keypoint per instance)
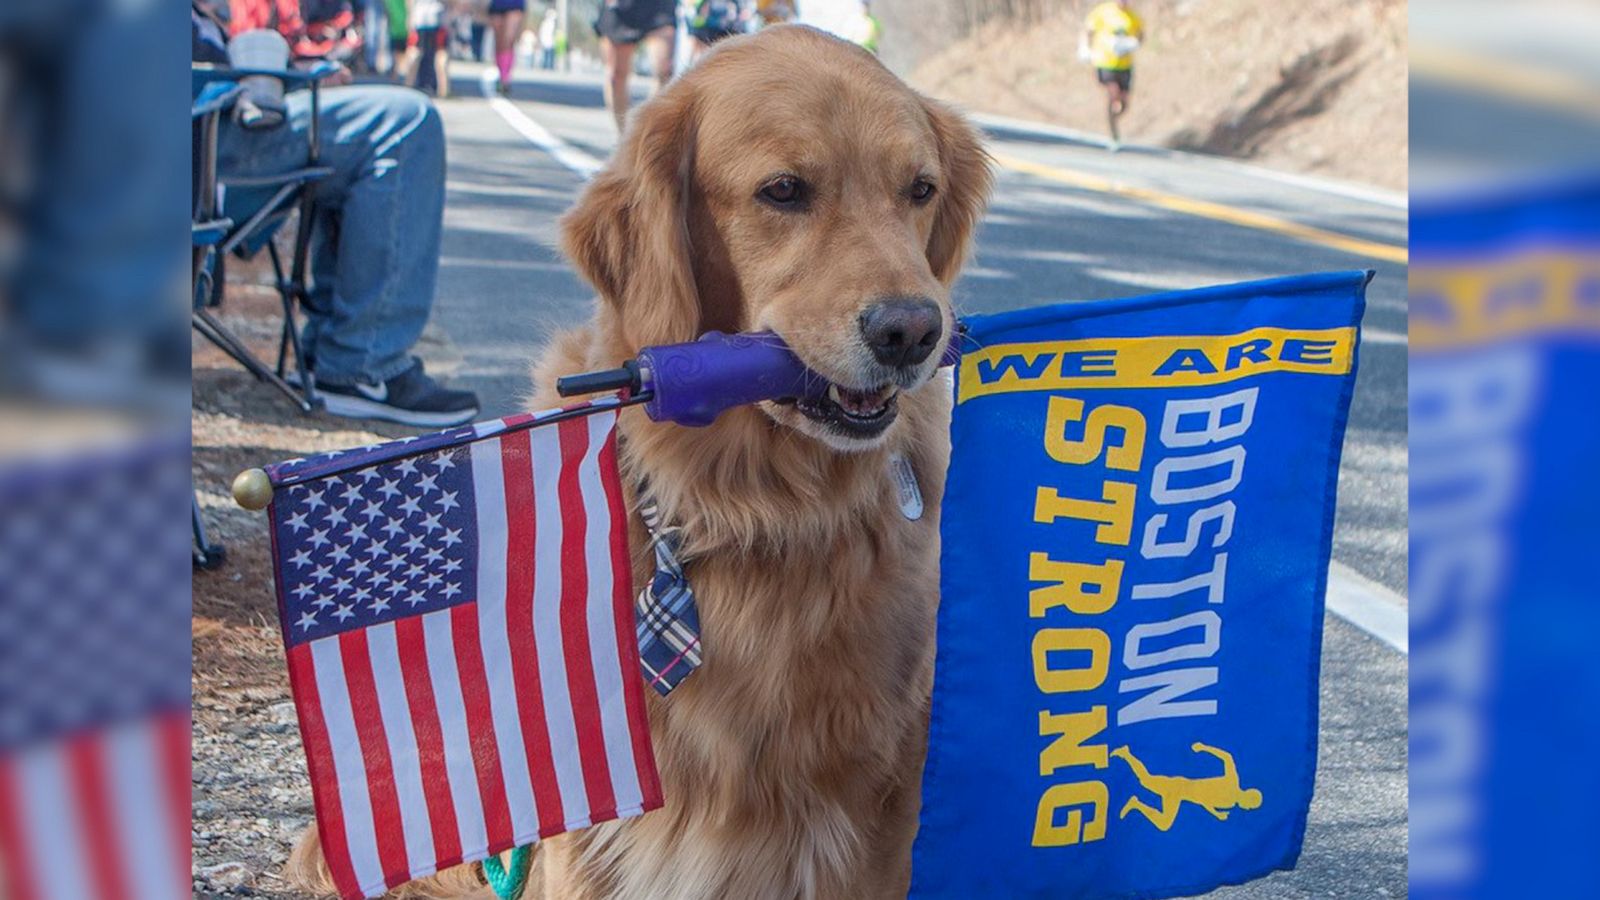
(410, 398)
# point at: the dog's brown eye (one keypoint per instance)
(922, 191)
(784, 191)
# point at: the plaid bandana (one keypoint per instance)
(668, 622)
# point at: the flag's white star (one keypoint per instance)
(314, 500)
(307, 620)
(344, 612)
(359, 567)
(394, 527)
(413, 543)
(341, 585)
(391, 486)
(336, 516)
(379, 604)
(395, 561)
(301, 559)
(340, 553)
(444, 460)
(432, 579)
(431, 523)
(377, 549)
(378, 578)
(451, 565)
(416, 597)
(373, 510)
(368, 474)
(356, 533)
(303, 591)
(297, 522)
(428, 483)
(452, 537)
(398, 587)
(323, 601)
(414, 571)
(407, 466)
(434, 554)
(322, 573)
(411, 505)
(447, 500)
(451, 589)
(409, 439)
(318, 538)
(361, 594)
(352, 492)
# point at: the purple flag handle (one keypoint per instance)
(693, 383)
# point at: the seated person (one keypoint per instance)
(375, 244)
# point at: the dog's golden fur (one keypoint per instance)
(791, 760)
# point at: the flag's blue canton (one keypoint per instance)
(376, 544)
(94, 590)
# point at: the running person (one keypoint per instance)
(505, 18)
(712, 20)
(621, 26)
(1110, 35)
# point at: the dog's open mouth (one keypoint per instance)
(851, 412)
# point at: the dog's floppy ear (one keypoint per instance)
(629, 232)
(964, 190)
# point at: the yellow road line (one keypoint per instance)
(1206, 209)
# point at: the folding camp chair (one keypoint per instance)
(214, 235)
(273, 198)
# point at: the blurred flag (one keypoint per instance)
(1136, 533)
(457, 614)
(94, 675)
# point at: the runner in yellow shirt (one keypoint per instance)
(1110, 36)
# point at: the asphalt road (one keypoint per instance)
(1068, 221)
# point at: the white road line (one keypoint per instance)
(578, 161)
(1382, 336)
(1368, 606)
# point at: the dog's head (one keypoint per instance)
(789, 182)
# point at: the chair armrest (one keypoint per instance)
(216, 96)
(292, 78)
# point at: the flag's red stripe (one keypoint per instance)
(413, 649)
(575, 621)
(521, 529)
(16, 859)
(97, 817)
(173, 739)
(627, 639)
(480, 723)
(319, 765)
(387, 825)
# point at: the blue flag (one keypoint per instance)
(1136, 532)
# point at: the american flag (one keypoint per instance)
(457, 614)
(94, 674)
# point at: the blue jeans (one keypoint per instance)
(375, 244)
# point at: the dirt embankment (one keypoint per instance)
(1312, 86)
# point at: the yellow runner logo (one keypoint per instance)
(1216, 794)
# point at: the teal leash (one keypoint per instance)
(509, 883)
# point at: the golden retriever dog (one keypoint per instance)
(786, 183)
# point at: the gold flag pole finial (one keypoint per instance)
(252, 489)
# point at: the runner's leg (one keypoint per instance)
(619, 64)
(659, 43)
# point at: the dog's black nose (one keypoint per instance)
(902, 331)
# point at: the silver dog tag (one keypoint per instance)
(905, 486)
